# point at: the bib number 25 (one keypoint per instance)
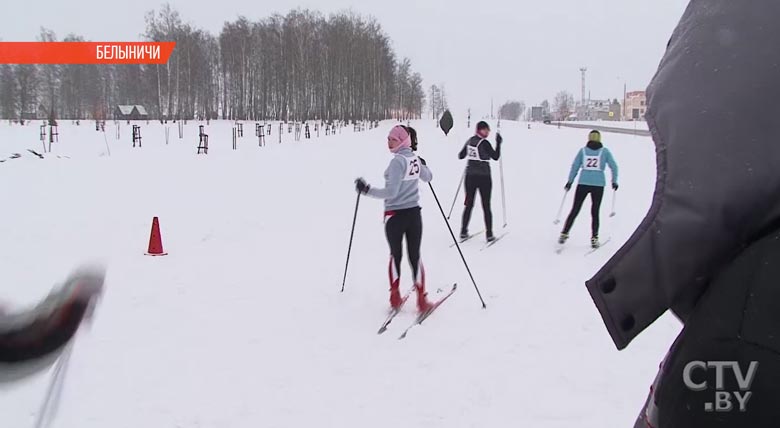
(414, 167)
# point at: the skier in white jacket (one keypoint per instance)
(402, 210)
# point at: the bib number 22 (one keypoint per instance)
(592, 163)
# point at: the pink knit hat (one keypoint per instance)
(398, 139)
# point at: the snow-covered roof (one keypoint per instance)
(126, 110)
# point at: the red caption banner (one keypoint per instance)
(85, 52)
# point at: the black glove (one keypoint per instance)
(615, 186)
(361, 186)
(499, 139)
(567, 186)
(422, 161)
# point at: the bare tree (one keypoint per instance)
(27, 82)
(9, 92)
(545, 105)
(438, 100)
(511, 110)
(50, 79)
(564, 104)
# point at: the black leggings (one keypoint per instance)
(483, 183)
(398, 224)
(596, 195)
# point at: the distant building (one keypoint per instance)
(636, 105)
(130, 112)
(598, 110)
(607, 110)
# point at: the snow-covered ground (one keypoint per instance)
(243, 325)
(639, 124)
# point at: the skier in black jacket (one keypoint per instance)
(709, 248)
(479, 152)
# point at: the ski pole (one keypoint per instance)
(106, 140)
(484, 306)
(614, 199)
(52, 401)
(501, 170)
(503, 193)
(460, 184)
(560, 210)
(351, 236)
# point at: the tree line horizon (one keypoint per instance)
(298, 66)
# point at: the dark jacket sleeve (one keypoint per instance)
(487, 150)
(32, 340)
(712, 198)
(734, 321)
(462, 153)
(491, 153)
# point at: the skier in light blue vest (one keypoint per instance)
(590, 163)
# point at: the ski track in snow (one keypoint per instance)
(243, 325)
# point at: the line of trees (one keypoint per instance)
(297, 66)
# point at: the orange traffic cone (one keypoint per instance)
(155, 240)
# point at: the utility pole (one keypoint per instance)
(625, 99)
(583, 70)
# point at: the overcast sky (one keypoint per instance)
(500, 49)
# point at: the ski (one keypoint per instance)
(593, 250)
(423, 316)
(393, 313)
(461, 241)
(490, 244)
(13, 156)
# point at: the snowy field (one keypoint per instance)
(243, 325)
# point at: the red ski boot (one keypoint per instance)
(423, 305)
(395, 295)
